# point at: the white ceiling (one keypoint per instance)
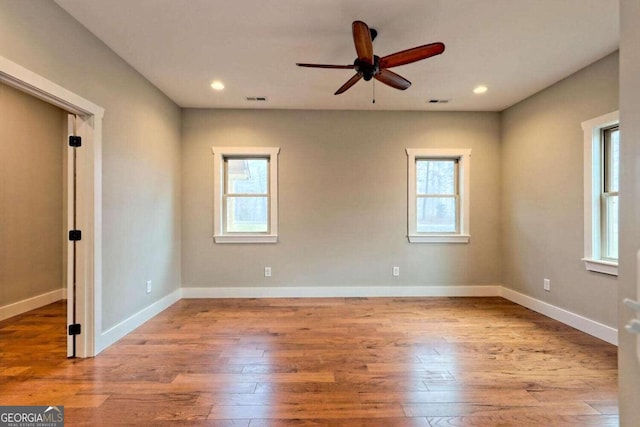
(515, 47)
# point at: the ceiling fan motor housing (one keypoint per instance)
(367, 70)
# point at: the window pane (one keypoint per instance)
(613, 161)
(247, 176)
(610, 249)
(435, 176)
(436, 214)
(247, 214)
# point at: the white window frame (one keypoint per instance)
(463, 157)
(593, 176)
(219, 156)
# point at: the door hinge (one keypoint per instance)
(75, 235)
(75, 141)
(75, 329)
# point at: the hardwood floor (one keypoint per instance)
(315, 362)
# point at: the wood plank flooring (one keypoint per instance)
(427, 362)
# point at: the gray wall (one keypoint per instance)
(31, 203)
(332, 233)
(343, 199)
(629, 206)
(141, 150)
(542, 193)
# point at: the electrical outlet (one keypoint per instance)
(547, 285)
(267, 272)
(148, 286)
(396, 271)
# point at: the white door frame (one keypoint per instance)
(89, 195)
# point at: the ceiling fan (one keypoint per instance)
(368, 66)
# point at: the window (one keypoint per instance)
(438, 195)
(245, 194)
(601, 178)
(611, 166)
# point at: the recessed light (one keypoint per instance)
(480, 89)
(217, 85)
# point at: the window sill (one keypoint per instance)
(439, 238)
(247, 238)
(600, 266)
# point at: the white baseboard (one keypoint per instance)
(581, 323)
(574, 320)
(118, 331)
(29, 304)
(341, 291)
(577, 321)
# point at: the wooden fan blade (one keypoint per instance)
(411, 55)
(353, 80)
(341, 67)
(392, 79)
(362, 40)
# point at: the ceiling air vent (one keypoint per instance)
(257, 98)
(438, 101)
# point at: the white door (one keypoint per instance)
(633, 326)
(71, 234)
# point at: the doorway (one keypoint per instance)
(87, 199)
(32, 264)
(37, 208)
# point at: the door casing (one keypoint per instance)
(88, 197)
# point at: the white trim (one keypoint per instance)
(581, 323)
(27, 81)
(600, 266)
(464, 172)
(574, 320)
(439, 238)
(592, 185)
(247, 238)
(89, 219)
(32, 303)
(125, 327)
(70, 199)
(219, 154)
(341, 291)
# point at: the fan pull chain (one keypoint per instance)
(374, 92)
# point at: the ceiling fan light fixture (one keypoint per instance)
(479, 90)
(217, 85)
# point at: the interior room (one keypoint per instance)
(253, 249)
